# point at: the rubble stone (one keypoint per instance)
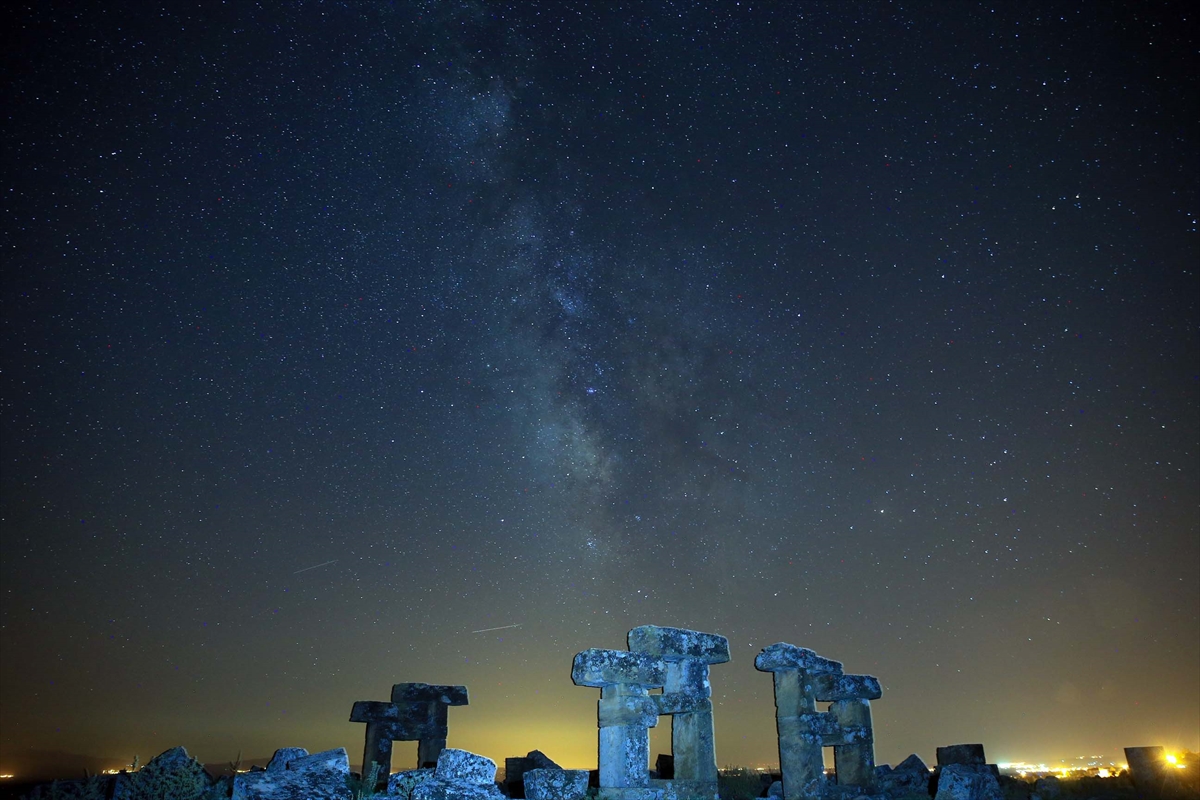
(403, 784)
(910, 776)
(556, 784)
(967, 782)
(320, 776)
(460, 766)
(283, 755)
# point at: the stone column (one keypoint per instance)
(685, 697)
(803, 678)
(625, 713)
(854, 762)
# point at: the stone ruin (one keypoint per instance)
(676, 661)
(803, 679)
(417, 712)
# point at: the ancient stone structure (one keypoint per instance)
(677, 661)
(417, 713)
(803, 679)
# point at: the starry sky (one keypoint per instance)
(333, 334)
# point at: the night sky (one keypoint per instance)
(335, 333)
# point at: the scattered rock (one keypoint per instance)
(320, 776)
(172, 773)
(283, 755)
(910, 776)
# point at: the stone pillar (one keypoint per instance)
(417, 712)
(802, 678)
(686, 697)
(854, 762)
(625, 713)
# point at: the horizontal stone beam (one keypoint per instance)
(401, 723)
(374, 711)
(429, 693)
(676, 644)
(831, 688)
(599, 668)
(781, 657)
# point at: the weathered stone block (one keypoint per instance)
(629, 710)
(967, 782)
(429, 693)
(675, 644)
(969, 754)
(403, 784)
(460, 766)
(556, 784)
(831, 688)
(688, 677)
(679, 703)
(320, 776)
(784, 656)
(910, 776)
(279, 761)
(600, 668)
(441, 790)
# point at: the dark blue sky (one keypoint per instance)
(869, 327)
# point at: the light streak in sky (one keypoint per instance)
(500, 628)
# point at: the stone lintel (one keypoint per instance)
(820, 723)
(600, 668)
(628, 710)
(677, 644)
(374, 711)
(680, 703)
(782, 656)
(404, 723)
(831, 688)
(429, 693)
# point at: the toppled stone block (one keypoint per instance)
(676, 644)
(967, 782)
(967, 754)
(460, 766)
(320, 776)
(283, 755)
(403, 784)
(599, 668)
(515, 769)
(459, 775)
(783, 656)
(556, 784)
(910, 776)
